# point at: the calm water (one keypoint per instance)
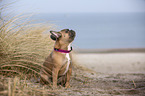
(102, 30)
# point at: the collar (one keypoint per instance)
(62, 51)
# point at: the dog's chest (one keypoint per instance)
(67, 56)
(67, 62)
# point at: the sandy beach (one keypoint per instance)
(112, 62)
(108, 74)
(100, 74)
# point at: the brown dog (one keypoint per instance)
(58, 63)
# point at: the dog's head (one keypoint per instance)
(65, 35)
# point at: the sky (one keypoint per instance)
(75, 6)
(18, 7)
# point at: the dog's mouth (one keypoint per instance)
(55, 35)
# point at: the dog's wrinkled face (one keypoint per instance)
(64, 35)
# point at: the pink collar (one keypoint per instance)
(62, 51)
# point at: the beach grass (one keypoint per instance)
(23, 49)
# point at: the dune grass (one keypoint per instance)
(23, 46)
(23, 49)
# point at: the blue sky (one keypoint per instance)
(69, 6)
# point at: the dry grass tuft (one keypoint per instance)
(23, 49)
(22, 87)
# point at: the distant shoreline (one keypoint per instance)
(117, 50)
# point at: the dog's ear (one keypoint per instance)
(55, 35)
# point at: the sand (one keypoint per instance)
(105, 74)
(112, 62)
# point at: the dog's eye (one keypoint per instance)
(66, 31)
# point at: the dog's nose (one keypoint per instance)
(72, 33)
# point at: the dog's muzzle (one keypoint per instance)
(72, 33)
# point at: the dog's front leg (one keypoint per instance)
(55, 76)
(67, 85)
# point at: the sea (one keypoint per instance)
(100, 30)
